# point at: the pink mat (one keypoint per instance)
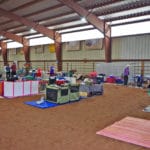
(129, 129)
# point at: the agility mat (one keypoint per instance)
(43, 105)
(131, 130)
(46, 104)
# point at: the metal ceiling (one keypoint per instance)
(19, 16)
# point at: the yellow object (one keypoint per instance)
(52, 48)
(84, 94)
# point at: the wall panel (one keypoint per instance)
(15, 54)
(41, 52)
(131, 47)
(80, 67)
(84, 52)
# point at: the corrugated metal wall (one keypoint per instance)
(15, 54)
(83, 51)
(41, 57)
(131, 47)
(37, 55)
(83, 55)
(80, 67)
(117, 68)
(42, 51)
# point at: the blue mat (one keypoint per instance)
(47, 104)
(43, 105)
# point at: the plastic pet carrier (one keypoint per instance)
(74, 92)
(57, 94)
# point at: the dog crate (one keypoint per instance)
(57, 94)
(74, 92)
(85, 90)
(97, 89)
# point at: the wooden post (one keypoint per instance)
(107, 42)
(58, 50)
(142, 68)
(4, 52)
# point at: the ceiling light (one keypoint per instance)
(83, 19)
(1, 37)
(32, 30)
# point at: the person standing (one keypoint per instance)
(7, 69)
(52, 70)
(27, 67)
(126, 74)
(13, 69)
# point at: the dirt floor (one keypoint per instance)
(70, 126)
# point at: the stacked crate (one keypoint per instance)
(57, 94)
(74, 92)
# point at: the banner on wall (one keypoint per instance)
(93, 44)
(52, 48)
(73, 45)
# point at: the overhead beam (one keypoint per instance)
(21, 40)
(96, 22)
(58, 49)
(47, 32)
(93, 19)
(33, 13)
(26, 49)
(100, 4)
(12, 36)
(107, 43)
(4, 52)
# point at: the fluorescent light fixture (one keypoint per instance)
(82, 35)
(131, 29)
(83, 19)
(40, 41)
(32, 30)
(1, 37)
(14, 45)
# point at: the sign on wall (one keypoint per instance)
(73, 45)
(52, 48)
(93, 44)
